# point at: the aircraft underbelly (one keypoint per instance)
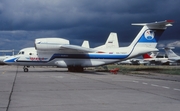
(82, 62)
(69, 62)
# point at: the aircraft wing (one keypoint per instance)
(75, 48)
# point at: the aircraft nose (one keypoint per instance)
(10, 60)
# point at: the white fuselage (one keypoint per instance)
(33, 57)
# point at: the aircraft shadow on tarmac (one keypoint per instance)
(64, 71)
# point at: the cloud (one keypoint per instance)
(79, 20)
(174, 44)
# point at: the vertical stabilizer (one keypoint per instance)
(171, 54)
(146, 56)
(111, 42)
(150, 33)
(153, 55)
(85, 44)
(147, 39)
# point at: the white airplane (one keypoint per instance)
(58, 51)
(171, 55)
(154, 58)
(134, 61)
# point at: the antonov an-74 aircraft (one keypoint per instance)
(58, 51)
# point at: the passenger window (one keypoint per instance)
(30, 53)
(22, 52)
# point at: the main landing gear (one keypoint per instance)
(26, 68)
(75, 69)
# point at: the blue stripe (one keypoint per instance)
(89, 56)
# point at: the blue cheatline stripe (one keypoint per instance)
(11, 60)
(89, 56)
(80, 56)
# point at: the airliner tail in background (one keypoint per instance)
(171, 55)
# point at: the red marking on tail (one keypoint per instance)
(170, 21)
(145, 56)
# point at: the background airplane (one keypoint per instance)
(58, 51)
(156, 59)
(134, 61)
(171, 55)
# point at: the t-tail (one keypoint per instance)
(147, 39)
(171, 55)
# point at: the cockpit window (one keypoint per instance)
(21, 53)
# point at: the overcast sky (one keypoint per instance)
(22, 21)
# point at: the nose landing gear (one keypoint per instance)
(26, 68)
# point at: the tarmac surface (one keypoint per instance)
(55, 89)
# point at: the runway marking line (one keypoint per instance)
(135, 81)
(144, 83)
(176, 89)
(154, 85)
(165, 87)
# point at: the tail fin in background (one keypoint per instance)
(153, 55)
(85, 44)
(111, 42)
(170, 53)
(146, 56)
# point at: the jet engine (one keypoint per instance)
(50, 43)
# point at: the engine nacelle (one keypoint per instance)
(49, 43)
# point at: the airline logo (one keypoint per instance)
(149, 34)
(36, 58)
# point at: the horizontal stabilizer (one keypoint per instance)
(168, 48)
(161, 24)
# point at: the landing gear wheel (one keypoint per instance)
(75, 69)
(26, 70)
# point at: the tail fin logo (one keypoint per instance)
(149, 34)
